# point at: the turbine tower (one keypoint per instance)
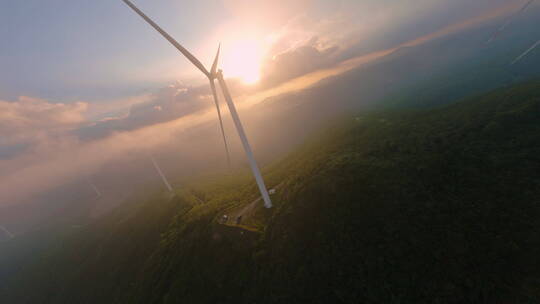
(212, 75)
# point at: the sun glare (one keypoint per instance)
(243, 59)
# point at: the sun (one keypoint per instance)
(243, 58)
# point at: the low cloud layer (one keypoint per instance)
(31, 123)
(31, 115)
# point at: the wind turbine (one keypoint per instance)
(96, 190)
(509, 21)
(212, 75)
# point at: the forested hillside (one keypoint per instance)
(433, 206)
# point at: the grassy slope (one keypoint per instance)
(429, 207)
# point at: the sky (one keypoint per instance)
(99, 50)
(76, 77)
(66, 50)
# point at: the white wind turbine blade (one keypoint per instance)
(245, 143)
(213, 70)
(11, 235)
(163, 177)
(184, 51)
(216, 101)
(525, 53)
(213, 87)
(509, 21)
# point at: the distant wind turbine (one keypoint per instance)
(509, 21)
(98, 193)
(212, 75)
(525, 53)
(11, 235)
(163, 177)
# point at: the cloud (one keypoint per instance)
(310, 56)
(66, 158)
(31, 122)
(166, 104)
(33, 130)
(37, 124)
(34, 115)
(107, 109)
(308, 41)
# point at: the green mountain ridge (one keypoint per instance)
(432, 206)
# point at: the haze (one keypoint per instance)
(88, 91)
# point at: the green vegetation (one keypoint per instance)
(437, 206)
